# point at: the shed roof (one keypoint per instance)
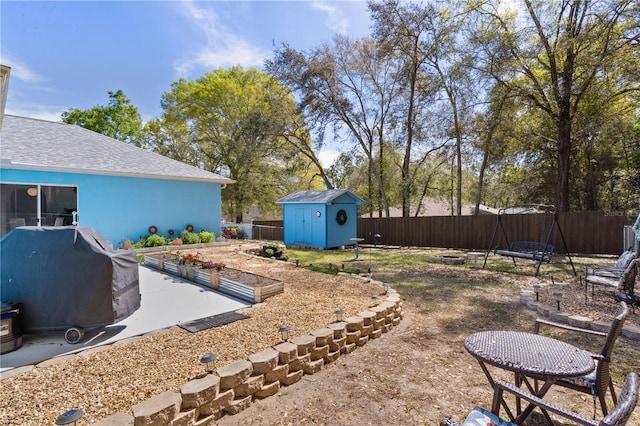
(33, 144)
(326, 197)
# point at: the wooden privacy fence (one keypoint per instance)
(267, 230)
(585, 232)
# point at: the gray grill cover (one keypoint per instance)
(67, 276)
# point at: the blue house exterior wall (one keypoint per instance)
(121, 207)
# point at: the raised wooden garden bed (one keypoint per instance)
(244, 285)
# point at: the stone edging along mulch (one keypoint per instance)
(528, 300)
(235, 386)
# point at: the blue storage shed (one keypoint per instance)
(323, 219)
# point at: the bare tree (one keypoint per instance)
(345, 86)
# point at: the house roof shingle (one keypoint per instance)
(27, 143)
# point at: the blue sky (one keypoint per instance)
(69, 54)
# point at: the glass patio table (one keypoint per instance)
(528, 356)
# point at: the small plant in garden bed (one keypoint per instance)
(208, 264)
(234, 232)
(190, 237)
(206, 237)
(188, 258)
(273, 251)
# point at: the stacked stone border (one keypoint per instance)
(205, 399)
(527, 298)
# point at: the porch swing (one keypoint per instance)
(538, 251)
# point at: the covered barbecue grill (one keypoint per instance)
(67, 278)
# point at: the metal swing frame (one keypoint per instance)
(539, 251)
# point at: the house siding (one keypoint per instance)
(121, 207)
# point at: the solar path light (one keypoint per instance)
(208, 359)
(536, 288)
(558, 297)
(70, 417)
(284, 332)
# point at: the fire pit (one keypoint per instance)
(448, 260)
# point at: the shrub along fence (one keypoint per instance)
(600, 232)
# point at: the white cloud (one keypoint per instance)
(22, 81)
(19, 70)
(328, 156)
(42, 112)
(336, 21)
(222, 47)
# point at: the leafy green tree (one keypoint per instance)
(342, 169)
(119, 119)
(238, 123)
(489, 128)
(553, 59)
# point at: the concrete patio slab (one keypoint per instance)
(166, 301)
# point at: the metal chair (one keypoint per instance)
(619, 416)
(596, 383)
(614, 270)
(627, 294)
(617, 278)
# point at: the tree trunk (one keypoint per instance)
(483, 167)
(369, 180)
(406, 186)
(564, 164)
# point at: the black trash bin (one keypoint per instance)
(10, 330)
